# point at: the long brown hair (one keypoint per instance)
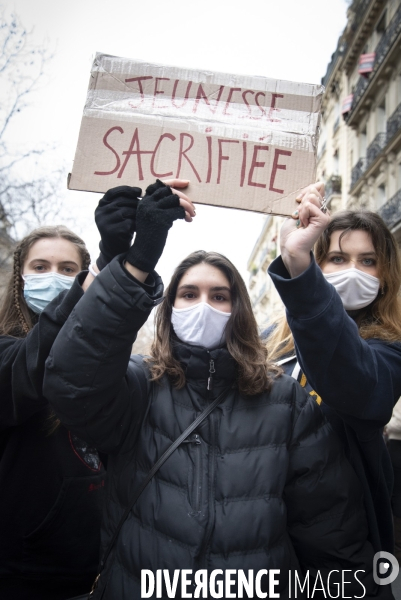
(242, 337)
(16, 318)
(382, 318)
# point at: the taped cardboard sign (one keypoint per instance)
(243, 142)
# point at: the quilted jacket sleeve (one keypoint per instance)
(22, 361)
(326, 517)
(87, 379)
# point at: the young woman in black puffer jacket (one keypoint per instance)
(51, 481)
(263, 484)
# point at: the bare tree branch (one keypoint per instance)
(25, 202)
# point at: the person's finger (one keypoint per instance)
(311, 211)
(319, 185)
(308, 210)
(181, 183)
(187, 205)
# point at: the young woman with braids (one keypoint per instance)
(341, 335)
(51, 481)
(262, 483)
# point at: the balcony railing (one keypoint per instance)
(375, 148)
(381, 51)
(379, 143)
(358, 171)
(336, 125)
(360, 9)
(331, 66)
(333, 185)
(394, 123)
(359, 92)
(391, 211)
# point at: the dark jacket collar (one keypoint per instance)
(196, 362)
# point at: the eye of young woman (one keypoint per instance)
(219, 298)
(369, 262)
(40, 268)
(337, 260)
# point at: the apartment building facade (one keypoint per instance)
(359, 153)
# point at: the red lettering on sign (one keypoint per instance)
(243, 166)
(157, 91)
(246, 102)
(273, 107)
(152, 162)
(257, 104)
(138, 152)
(183, 153)
(277, 166)
(231, 92)
(201, 95)
(222, 156)
(256, 165)
(106, 135)
(139, 80)
(177, 81)
(209, 157)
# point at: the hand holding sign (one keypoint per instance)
(299, 234)
(156, 213)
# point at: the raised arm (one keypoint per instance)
(87, 379)
(360, 378)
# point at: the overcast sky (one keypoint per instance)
(290, 40)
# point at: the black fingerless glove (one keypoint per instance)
(156, 213)
(115, 218)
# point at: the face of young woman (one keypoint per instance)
(52, 254)
(204, 283)
(356, 251)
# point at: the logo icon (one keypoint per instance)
(385, 568)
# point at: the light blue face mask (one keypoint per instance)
(40, 289)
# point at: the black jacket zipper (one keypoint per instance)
(195, 439)
(212, 454)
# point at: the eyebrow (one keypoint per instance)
(217, 288)
(347, 254)
(47, 262)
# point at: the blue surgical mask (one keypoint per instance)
(42, 288)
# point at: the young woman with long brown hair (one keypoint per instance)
(262, 483)
(341, 336)
(51, 481)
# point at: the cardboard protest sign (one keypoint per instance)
(243, 142)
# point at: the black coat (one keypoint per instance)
(263, 483)
(358, 380)
(52, 484)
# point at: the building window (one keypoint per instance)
(381, 117)
(362, 143)
(380, 195)
(336, 161)
(381, 23)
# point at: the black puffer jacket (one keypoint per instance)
(52, 483)
(262, 484)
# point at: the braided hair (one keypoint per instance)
(16, 318)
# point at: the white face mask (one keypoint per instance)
(42, 288)
(200, 325)
(356, 288)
